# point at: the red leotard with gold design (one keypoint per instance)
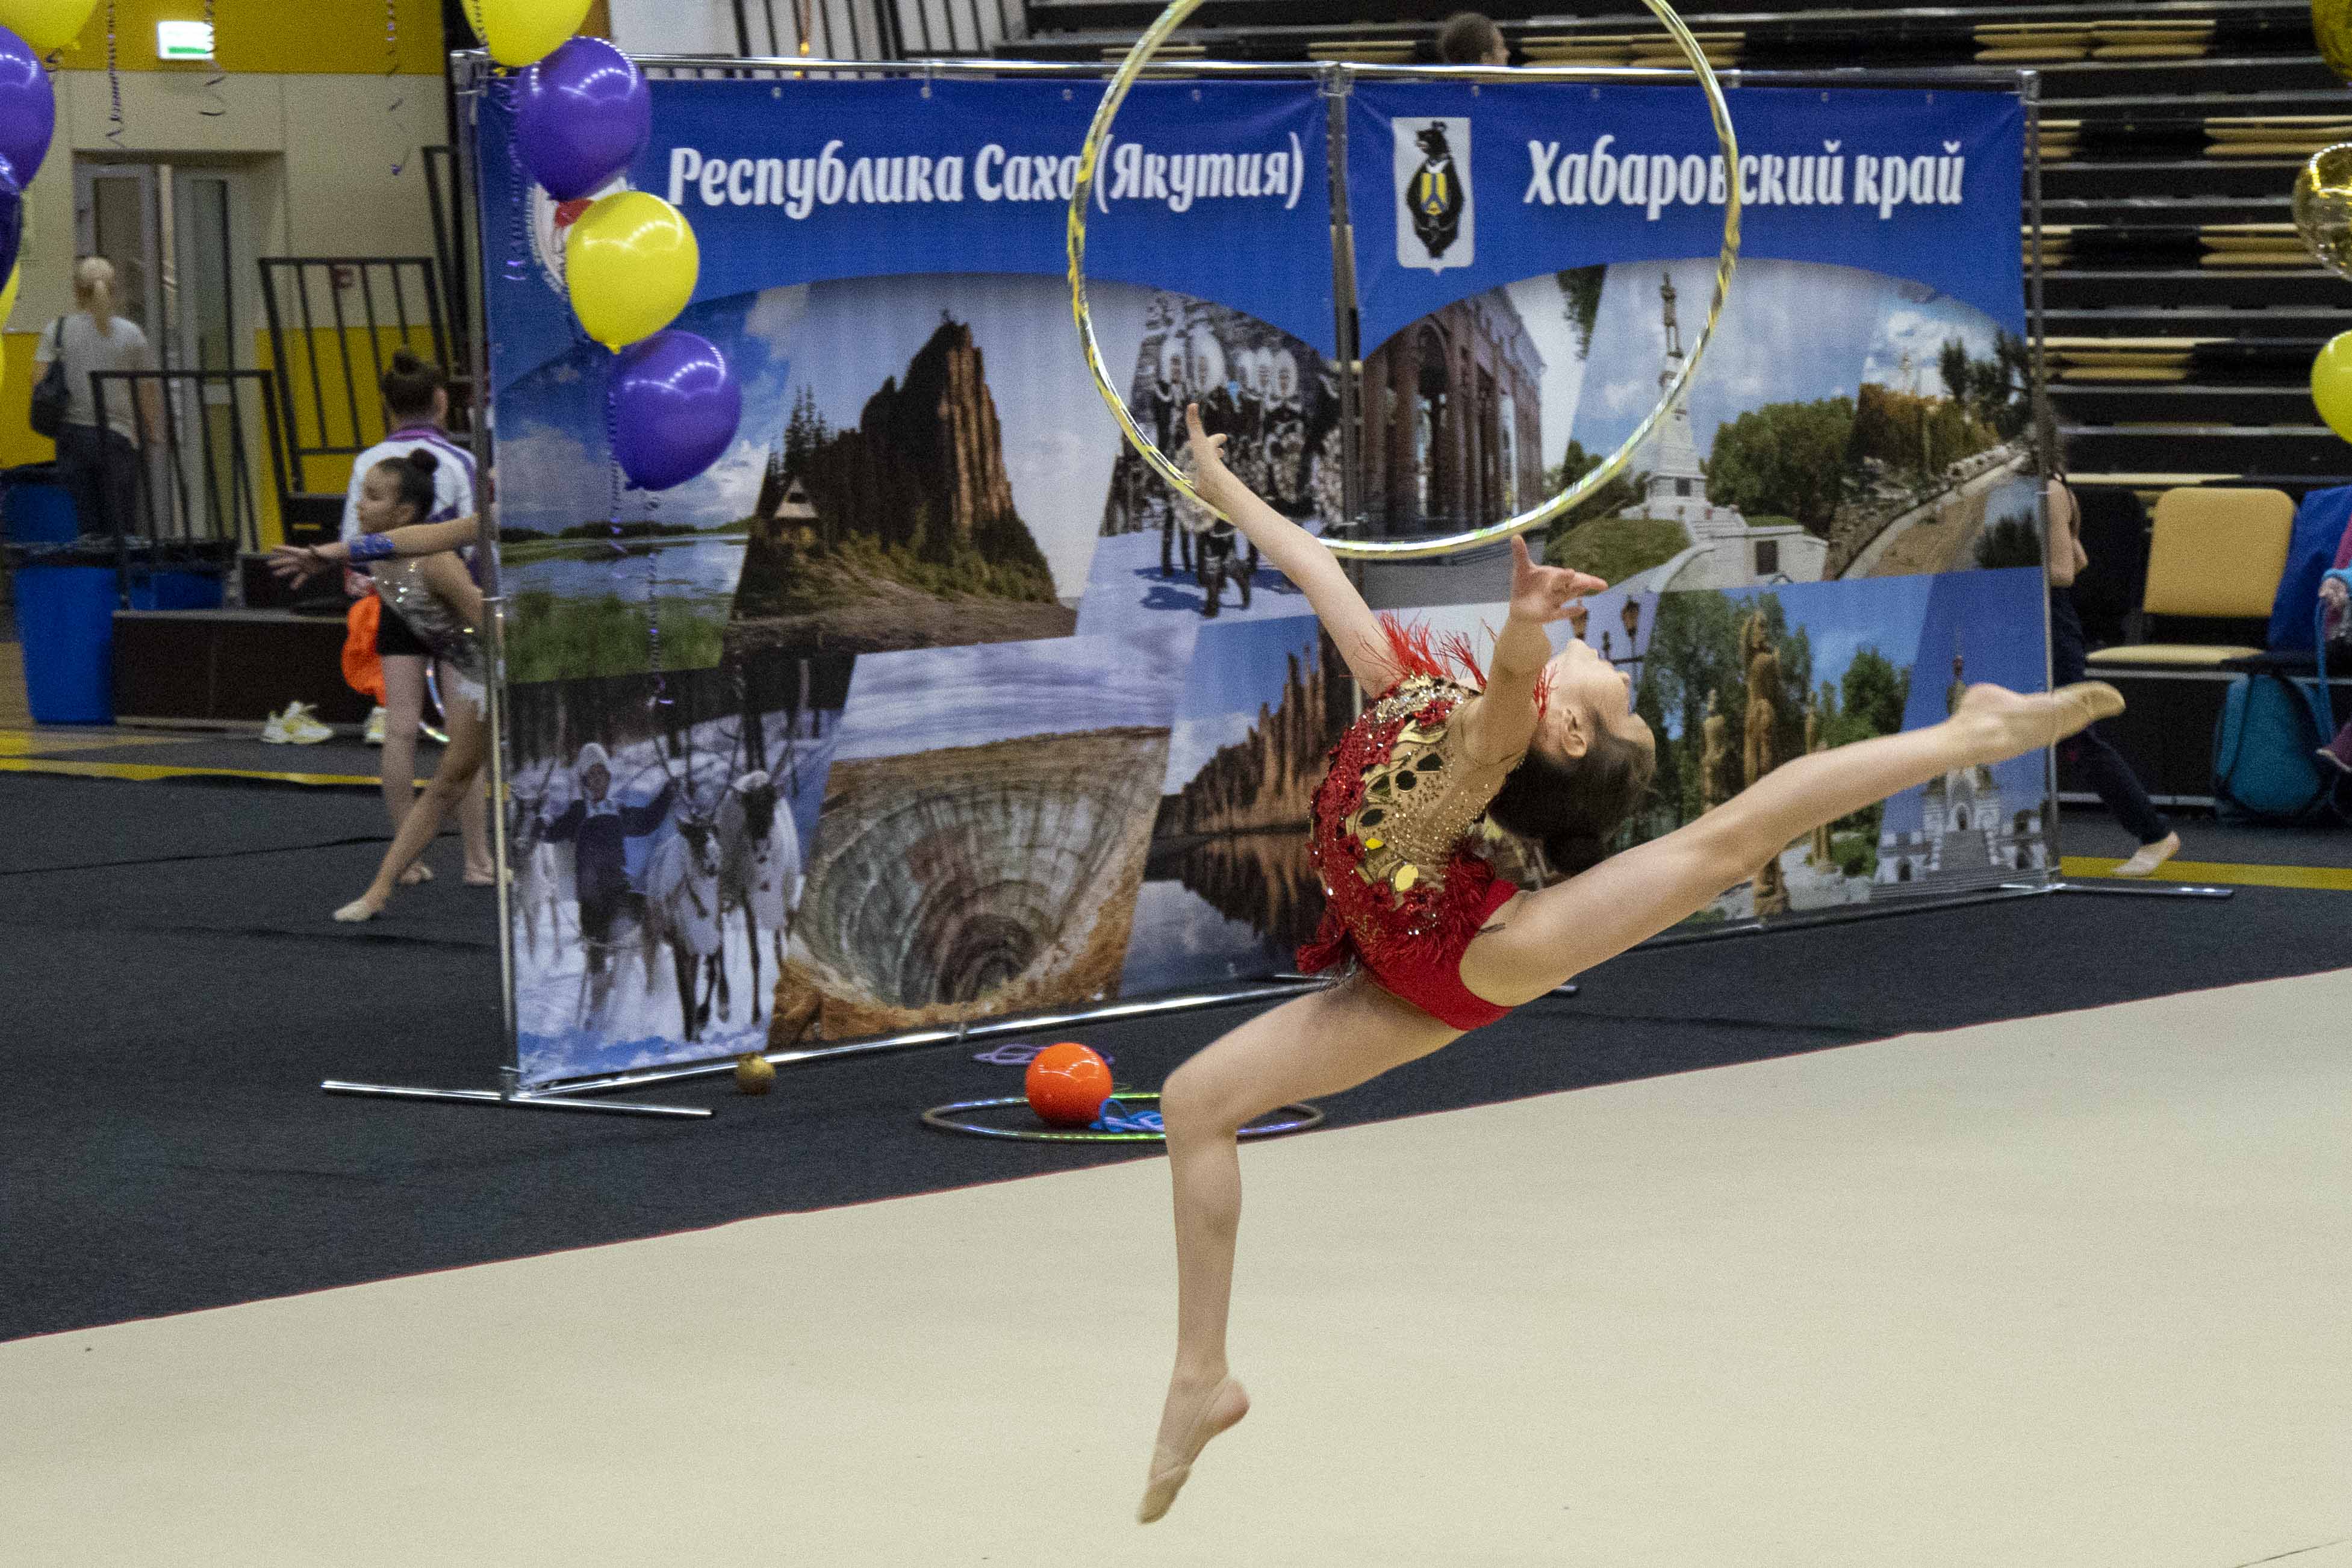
(1394, 822)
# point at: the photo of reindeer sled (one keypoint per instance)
(657, 829)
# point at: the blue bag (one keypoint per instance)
(2265, 764)
(2319, 525)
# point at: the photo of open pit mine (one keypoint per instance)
(986, 817)
(974, 880)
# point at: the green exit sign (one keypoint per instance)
(184, 41)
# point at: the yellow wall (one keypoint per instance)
(272, 37)
(305, 116)
(17, 442)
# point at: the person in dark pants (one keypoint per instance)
(598, 829)
(2117, 785)
(98, 449)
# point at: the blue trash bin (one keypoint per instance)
(65, 615)
(37, 512)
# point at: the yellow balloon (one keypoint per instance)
(8, 294)
(631, 262)
(2331, 384)
(46, 23)
(519, 32)
(2331, 23)
(2323, 207)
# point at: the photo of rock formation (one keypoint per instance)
(1228, 892)
(900, 530)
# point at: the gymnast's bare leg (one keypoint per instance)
(1322, 1044)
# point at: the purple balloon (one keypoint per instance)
(675, 408)
(580, 115)
(28, 110)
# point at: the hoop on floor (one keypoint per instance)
(1444, 544)
(955, 1118)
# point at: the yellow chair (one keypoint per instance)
(2214, 554)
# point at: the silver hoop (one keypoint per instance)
(1444, 544)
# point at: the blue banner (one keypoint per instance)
(1456, 189)
(1218, 190)
(925, 701)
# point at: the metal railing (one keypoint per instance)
(449, 194)
(194, 497)
(328, 393)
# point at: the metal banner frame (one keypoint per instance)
(471, 71)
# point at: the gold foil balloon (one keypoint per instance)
(2331, 23)
(2323, 207)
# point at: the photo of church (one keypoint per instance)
(1453, 420)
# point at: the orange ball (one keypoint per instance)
(1066, 1085)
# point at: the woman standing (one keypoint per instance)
(98, 450)
(2118, 787)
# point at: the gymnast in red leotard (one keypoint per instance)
(1544, 745)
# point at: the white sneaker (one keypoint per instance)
(274, 731)
(297, 726)
(373, 733)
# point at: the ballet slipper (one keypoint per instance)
(2021, 723)
(416, 874)
(358, 910)
(2093, 700)
(2149, 857)
(1225, 1404)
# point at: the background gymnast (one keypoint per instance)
(417, 574)
(1547, 747)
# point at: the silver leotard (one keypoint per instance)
(401, 585)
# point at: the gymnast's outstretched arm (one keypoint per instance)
(1299, 556)
(300, 561)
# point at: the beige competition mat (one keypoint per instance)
(2072, 1291)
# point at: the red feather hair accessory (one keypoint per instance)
(1444, 655)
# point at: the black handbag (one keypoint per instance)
(48, 412)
